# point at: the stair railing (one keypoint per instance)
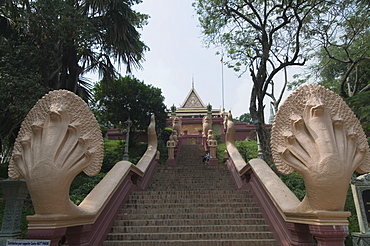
(64, 118)
(103, 203)
(277, 202)
(279, 205)
(316, 134)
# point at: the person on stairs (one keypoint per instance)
(206, 158)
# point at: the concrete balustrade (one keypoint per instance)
(58, 139)
(319, 219)
(277, 202)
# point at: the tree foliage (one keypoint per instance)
(70, 38)
(127, 96)
(47, 44)
(342, 55)
(246, 117)
(346, 46)
(262, 37)
(20, 88)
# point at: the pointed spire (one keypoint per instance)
(192, 81)
(272, 114)
(193, 100)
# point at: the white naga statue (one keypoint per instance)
(59, 138)
(316, 134)
(207, 125)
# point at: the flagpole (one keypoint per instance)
(222, 80)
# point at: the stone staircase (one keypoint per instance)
(190, 204)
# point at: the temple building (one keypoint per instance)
(192, 113)
(193, 107)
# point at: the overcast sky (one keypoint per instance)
(178, 56)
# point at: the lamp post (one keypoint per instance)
(128, 123)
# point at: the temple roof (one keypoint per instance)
(192, 107)
(193, 100)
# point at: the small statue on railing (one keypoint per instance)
(316, 134)
(212, 144)
(171, 144)
(222, 113)
(207, 125)
(174, 136)
(177, 125)
(226, 118)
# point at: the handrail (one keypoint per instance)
(151, 151)
(101, 205)
(278, 203)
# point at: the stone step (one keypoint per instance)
(188, 205)
(209, 200)
(211, 182)
(199, 174)
(192, 174)
(199, 165)
(194, 228)
(217, 242)
(190, 236)
(199, 216)
(194, 184)
(189, 209)
(180, 210)
(206, 175)
(190, 222)
(226, 194)
(174, 186)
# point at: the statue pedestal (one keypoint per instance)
(213, 161)
(360, 239)
(361, 196)
(329, 235)
(15, 192)
(171, 162)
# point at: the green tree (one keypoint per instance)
(342, 61)
(48, 44)
(262, 37)
(346, 47)
(20, 88)
(343, 57)
(71, 38)
(246, 117)
(127, 96)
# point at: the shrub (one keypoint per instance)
(83, 185)
(248, 149)
(113, 153)
(295, 183)
(165, 134)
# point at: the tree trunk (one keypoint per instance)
(264, 141)
(257, 113)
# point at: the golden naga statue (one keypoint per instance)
(316, 134)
